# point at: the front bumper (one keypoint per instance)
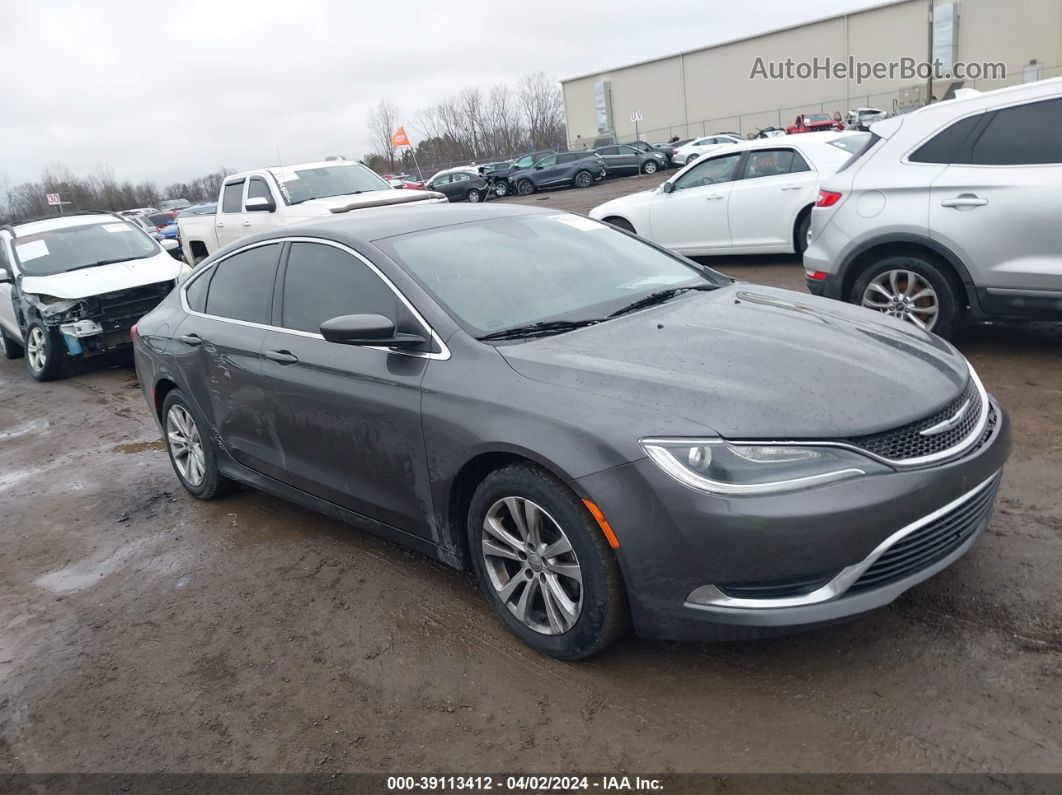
(676, 543)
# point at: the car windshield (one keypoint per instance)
(816, 117)
(73, 247)
(303, 184)
(503, 273)
(851, 143)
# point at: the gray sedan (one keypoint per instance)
(605, 433)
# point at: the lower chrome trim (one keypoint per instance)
(712, 596)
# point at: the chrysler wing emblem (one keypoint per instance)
(948, 424)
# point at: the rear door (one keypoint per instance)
(693, 217)
(228, 222)
(998, 205)
(218, 350)
(774, 185)
(347, 417)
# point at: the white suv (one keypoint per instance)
(952, 211)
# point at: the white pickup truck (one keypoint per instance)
(255, 201)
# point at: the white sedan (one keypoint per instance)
(700, 146)
(754, 197)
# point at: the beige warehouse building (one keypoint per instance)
(711, 89)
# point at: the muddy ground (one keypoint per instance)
(142, 630)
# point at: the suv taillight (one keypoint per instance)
(827, 198)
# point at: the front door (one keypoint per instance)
(228, 221)
(347, 417)
(693, 217)
(219, 347)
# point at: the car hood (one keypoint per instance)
(314, 208)
(755, 362)
(105, 278)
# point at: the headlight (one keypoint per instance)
(730, 469)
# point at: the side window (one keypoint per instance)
(196, 293)
(524, 162)
(258, 189)
(709, 172)
(461, 177)
(608, 150)
(242, 285)
(569, 158)
(945, 146)
(232, 199)
(1024, 135)
(548, 161)
(768, 163)
(799, 164)
(323, 282)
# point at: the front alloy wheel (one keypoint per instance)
(501, 188)
(45, 353)
(650, 167)
(525, 187)
(903, 294)
(532, 566)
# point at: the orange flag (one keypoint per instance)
(400, 138)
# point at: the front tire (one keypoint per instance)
(544, 564)
(45, 352)
(190, 449)
(912, 287)
(525, 187)
(584, 179)
(10, 348)
(473, 195)
(501, 189)
(650, 167)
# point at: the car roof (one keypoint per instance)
(64, 222)
(381, 222)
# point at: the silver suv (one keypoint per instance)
(953, 211)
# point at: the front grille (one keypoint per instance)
(930, 543)
(118, 311)
(907, 442)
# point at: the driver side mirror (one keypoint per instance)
(5, 276)
(668, 187)
(368, 330)
(260, 204)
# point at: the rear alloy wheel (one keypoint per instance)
(584, 179)
(10, 348)
(544, 564)
(650, 167)
(191, 453)
(45, 352)
(473, 195)
(525, 187)
(913, 289)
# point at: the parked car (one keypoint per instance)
(174, 204)
(73, 285)
(143, 223)
(647, 148)
(252, 201)
(140, 211)
(813, 122)
(949, 212)
(459, 184)
(689, 152)
(572, 427)
(862, 118)
(497, 176)
(557, 169)
(752, 197)
(623, 159)
(159, 220)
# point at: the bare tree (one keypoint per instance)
(540, 100)
(383, 121)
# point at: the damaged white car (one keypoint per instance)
(74, 285)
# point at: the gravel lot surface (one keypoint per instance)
(142, 630)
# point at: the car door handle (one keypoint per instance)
(965, 200)
(281, 357)
(191, 339)
(714, 197)
(246, 223)
(792, 187)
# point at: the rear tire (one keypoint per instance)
(916, 275)
(473, 195)
(10, 348)
(800, 236)
(571, 615)
(190, 449)
(45, 352)
(525, 187)
(583, 179)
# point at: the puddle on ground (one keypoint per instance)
(139, 447)
(91, 570)
(24, 428)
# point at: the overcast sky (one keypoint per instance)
(170, 91)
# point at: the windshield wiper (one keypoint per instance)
(102, 262)
(540, 329)
(331, 196)
(659, 297)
